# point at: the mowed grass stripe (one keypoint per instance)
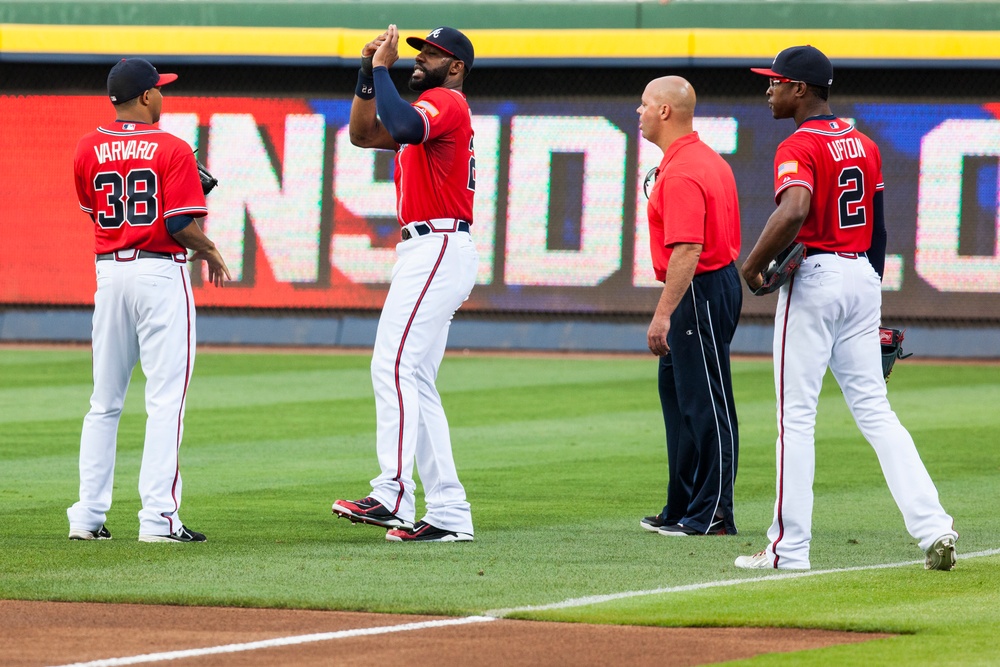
(63, 391)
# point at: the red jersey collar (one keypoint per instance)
(678, 144)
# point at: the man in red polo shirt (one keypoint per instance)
(694, 234)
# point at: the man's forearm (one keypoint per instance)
(680, 273)
(363, 123)
(194, 238)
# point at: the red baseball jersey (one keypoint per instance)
(130, 177)
(694, 201)
(842, 168)
(437, 178)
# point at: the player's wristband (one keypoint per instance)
(366, 64)
(366, 86)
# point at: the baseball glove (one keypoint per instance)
(892, 349)
(781, 269)
(208, 182)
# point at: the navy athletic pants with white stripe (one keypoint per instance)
(696, 393)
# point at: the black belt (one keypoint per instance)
(131, 255)
(847, 255)
(423, 229)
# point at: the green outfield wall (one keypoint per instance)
(681, 32)
(800, 14)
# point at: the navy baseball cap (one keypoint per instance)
(450, 41)
(131, 77)
(801, 63)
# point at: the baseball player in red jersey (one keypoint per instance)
(828, 190)
(434, 274)
(141, 188)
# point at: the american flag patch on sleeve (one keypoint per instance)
(431, 110)
(785, 168)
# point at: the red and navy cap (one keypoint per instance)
(449, 40)
(131, 77)
(801, 63)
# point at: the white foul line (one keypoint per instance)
(597, 599)
(488, 616)
(280, 641)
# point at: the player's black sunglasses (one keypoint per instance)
(650, 180)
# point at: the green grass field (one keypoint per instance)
(560, 458)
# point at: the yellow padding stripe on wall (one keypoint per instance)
(850, 44)
(500, 44)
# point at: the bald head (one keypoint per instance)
(676, 92)
(667, 110)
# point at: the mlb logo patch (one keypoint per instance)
(785, 168)
(428, 107)
(128, 126)
(834, 125)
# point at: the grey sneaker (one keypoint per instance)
(184, 534)
(941, 555)
(101, 533)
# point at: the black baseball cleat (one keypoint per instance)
(718, 527)
(370, 511)
(652, 523)
(184, 534)
(101, 533)
(425, 532)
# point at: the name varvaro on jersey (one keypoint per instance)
(125, 150)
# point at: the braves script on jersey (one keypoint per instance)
(436, 178)
(831, 151)
(130, 177)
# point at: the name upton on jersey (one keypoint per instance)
(848, 147)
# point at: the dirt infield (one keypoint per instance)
(62, 633)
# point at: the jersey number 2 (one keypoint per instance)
(852, 195)
(472, 166)
(128, 200)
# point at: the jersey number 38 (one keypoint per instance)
(128, 200)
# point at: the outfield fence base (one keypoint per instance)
(33, 325)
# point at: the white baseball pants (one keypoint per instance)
(434, 274)
(829, 314)
(143, 312)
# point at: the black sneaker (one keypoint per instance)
(425, 532)
(182, 535)
(652, 523)
(718, 527)
(370, 511)
(101, 533)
